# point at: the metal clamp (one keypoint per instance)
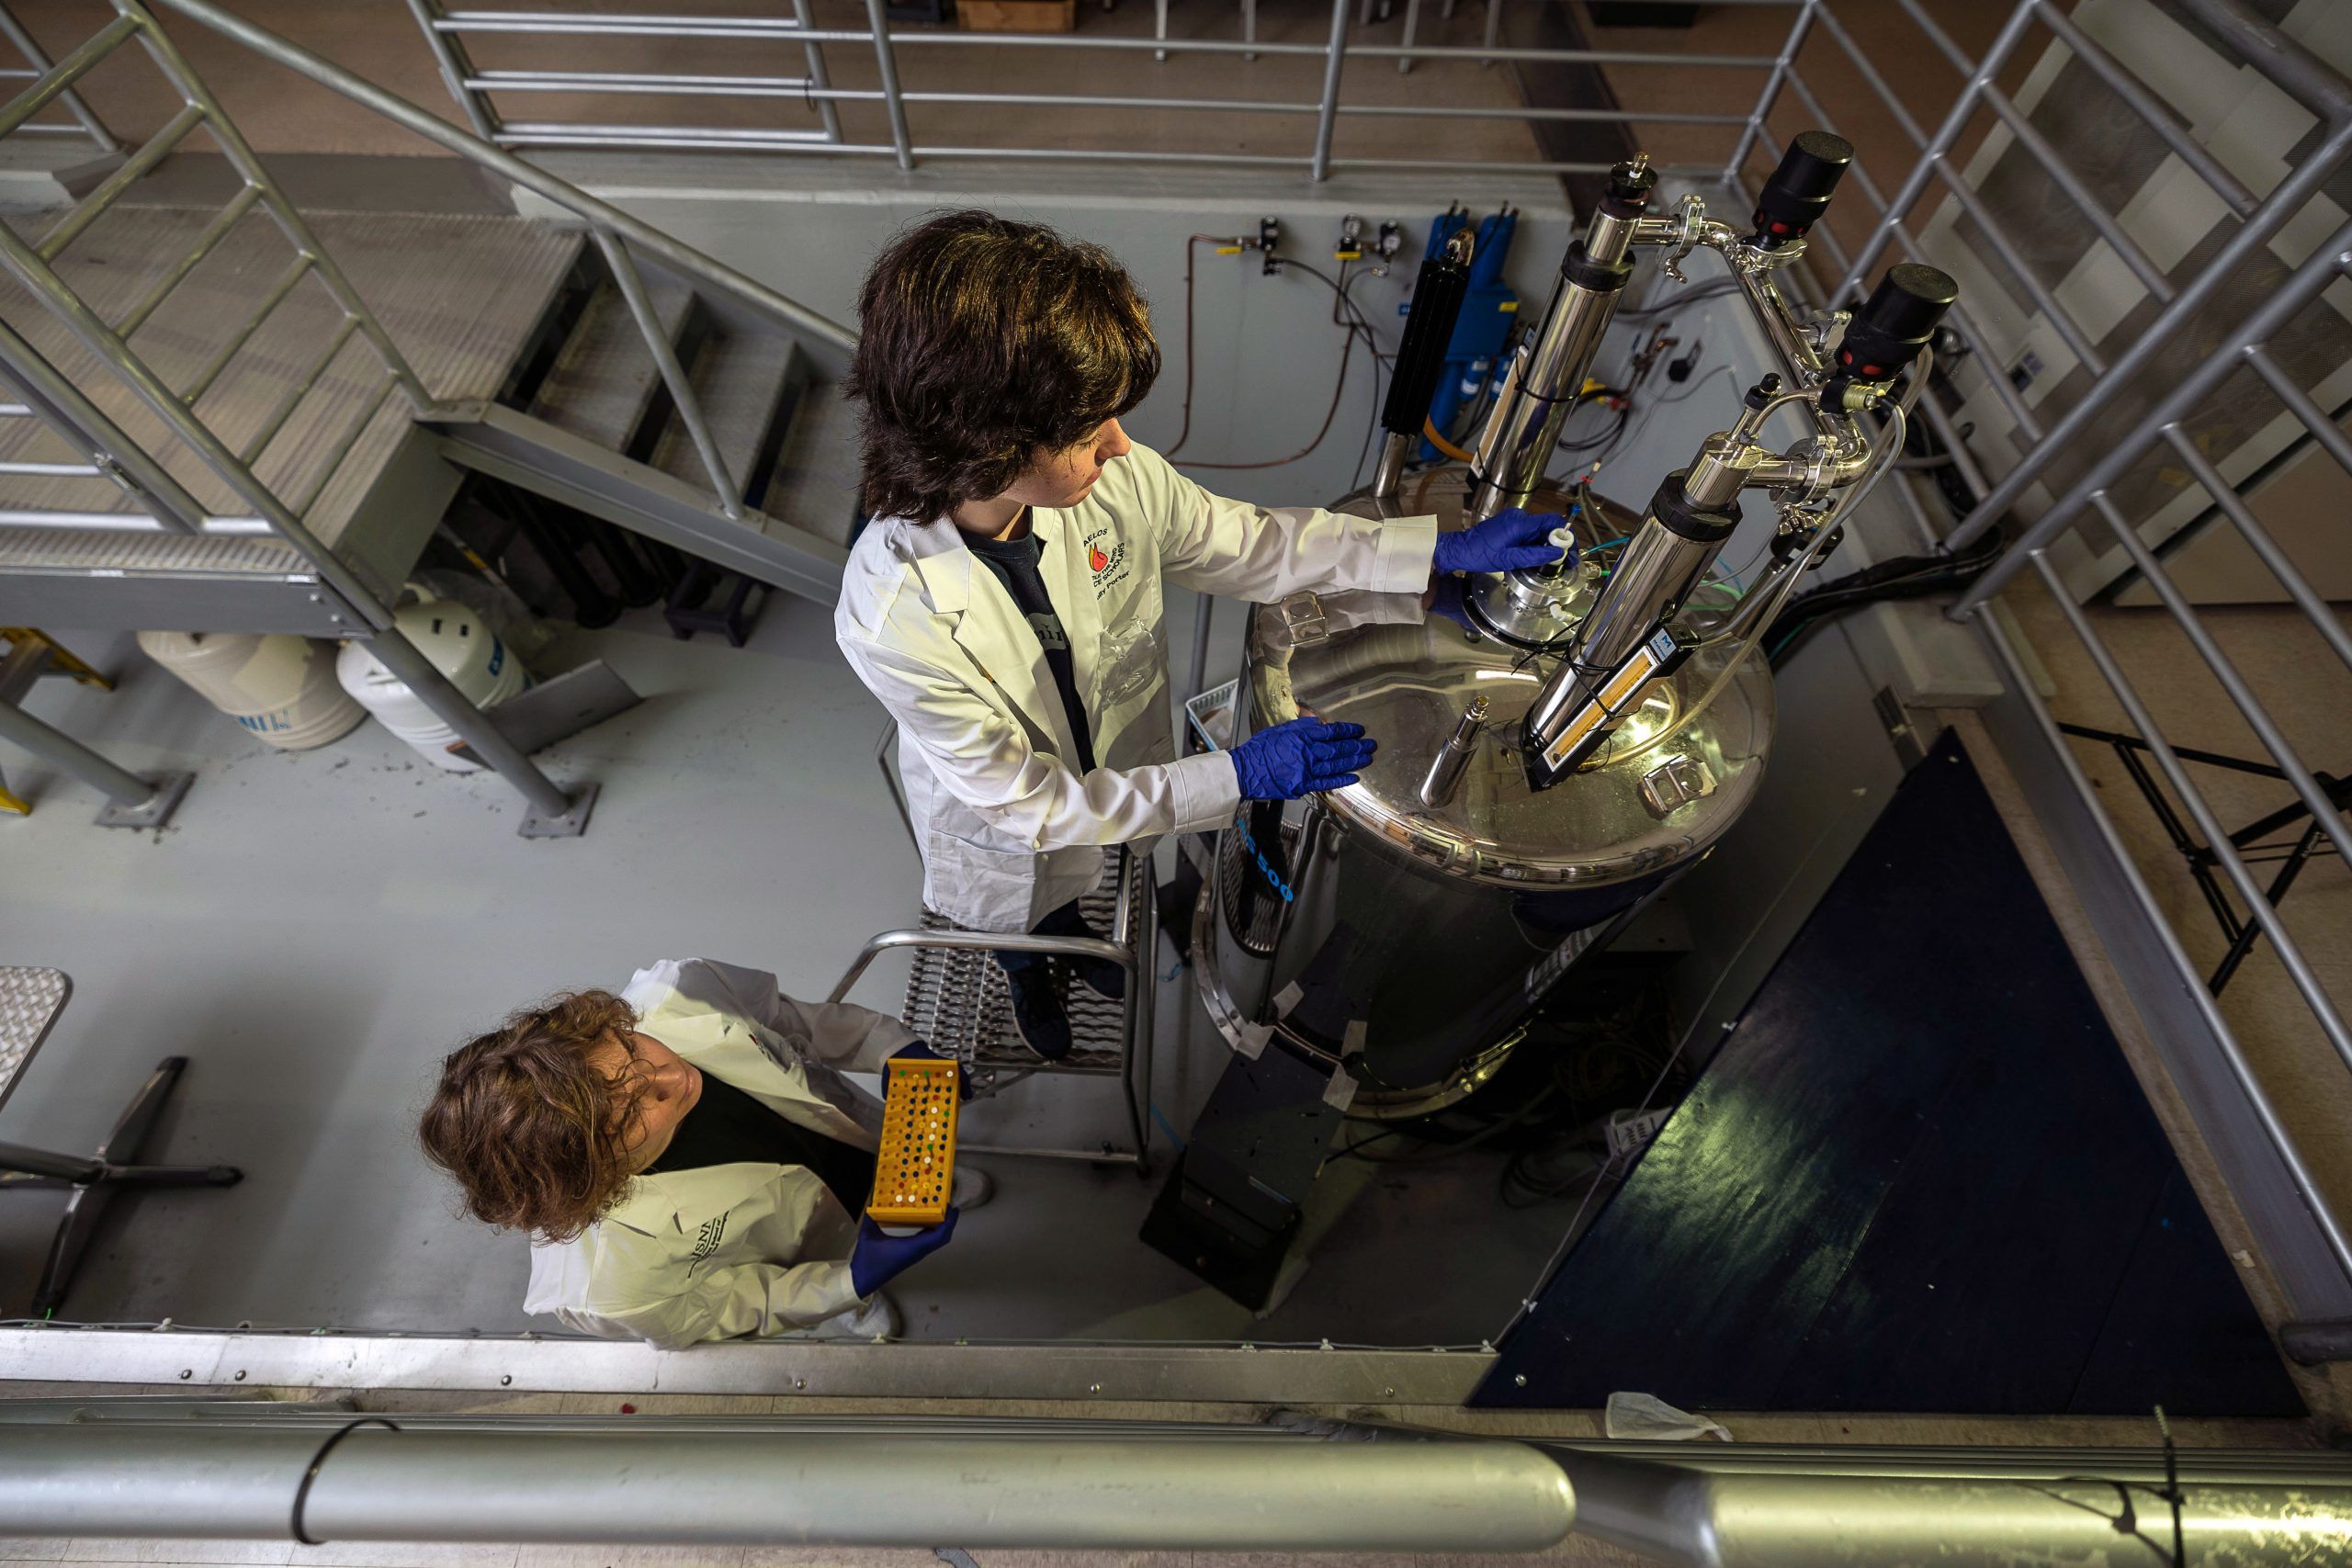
(1675, 783)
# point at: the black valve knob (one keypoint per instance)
(1895, 323)
(1799, 191)
(1630, 185)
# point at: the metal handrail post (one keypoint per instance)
(64, 409)
(433, 128)
(2216, 837)
(1798, 29)
(2326, 815)
(2161, 117)
(1916, 184)
(297, 229)
(886, 61)
(455, 65)
(2304, 284)
(2282, 566)
(673, 374)
(1334, 61)
(96, 127)
(2191, 979)
(829, 114)
(2282, 204)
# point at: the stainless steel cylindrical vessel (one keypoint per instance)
(1409, 942)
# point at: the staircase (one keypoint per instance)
(539, 375)
(250, 418)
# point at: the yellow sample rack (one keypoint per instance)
(915, 1165)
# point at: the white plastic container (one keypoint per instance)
(282, 689)
(462, 648)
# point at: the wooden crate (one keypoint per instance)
(1017, 15)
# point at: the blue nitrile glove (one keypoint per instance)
(1301, 757)
(877, 1259)
(1509, 541)
(1446, 601)
(921, 1050)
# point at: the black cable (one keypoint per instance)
(1716, 290)
(302, 1492)
(1906, 577)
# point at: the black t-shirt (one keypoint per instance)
(728, 1126)
(1015, 561)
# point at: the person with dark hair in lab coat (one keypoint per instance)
(1005, 602)
(686, 1156)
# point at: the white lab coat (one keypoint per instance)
(1009, 829)
(729, 1251)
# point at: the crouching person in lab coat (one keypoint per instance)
(686, 1156)
(1005, 602)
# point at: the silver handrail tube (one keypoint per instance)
(1714, 1517)
(652, 241)
(1202, 1494)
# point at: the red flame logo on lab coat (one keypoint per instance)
(1096, 561)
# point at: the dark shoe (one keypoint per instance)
(1102, 977)
(1038, 1017)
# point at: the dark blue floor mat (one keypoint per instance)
(1918, 1176)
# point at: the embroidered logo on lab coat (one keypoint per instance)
(1109, 567)
(707, 1238)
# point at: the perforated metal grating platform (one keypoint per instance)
(30, 1001)
(959, 1001)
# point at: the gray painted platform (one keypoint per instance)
(315, 929)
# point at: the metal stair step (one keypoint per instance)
(604, 380)
(814, 485)
(742, 380)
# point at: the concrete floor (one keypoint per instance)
(315, 929)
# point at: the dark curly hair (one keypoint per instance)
(981, 341)
(535, 1132)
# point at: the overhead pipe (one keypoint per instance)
(477, 1479)
(747, 1489)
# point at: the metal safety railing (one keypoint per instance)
(2158, 408)
(69, 409)
(571, 25)
(84, 121)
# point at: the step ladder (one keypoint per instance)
(247, 419)
(958, 1000)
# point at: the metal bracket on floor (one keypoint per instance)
(537, 824)
(152, 812)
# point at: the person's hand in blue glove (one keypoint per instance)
(877, 1259)
(1445, 599)
(1509, 541)
(921, 1051)
(1303, 757)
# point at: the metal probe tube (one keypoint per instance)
(1515, 448)
(1453, 758)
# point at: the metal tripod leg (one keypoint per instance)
(94, 1182)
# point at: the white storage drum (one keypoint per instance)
(462, 648)
(280, 688)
